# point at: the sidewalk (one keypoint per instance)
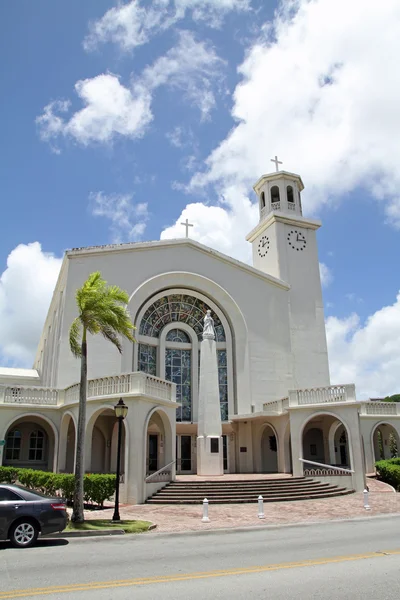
(175, 518)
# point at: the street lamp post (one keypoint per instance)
(121, 410)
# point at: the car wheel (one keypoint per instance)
(23, 534)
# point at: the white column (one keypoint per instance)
(209, 440)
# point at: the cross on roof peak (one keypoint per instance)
(277, 162)
(187, 225)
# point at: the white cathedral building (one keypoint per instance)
(277, 405)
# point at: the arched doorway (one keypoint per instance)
(269, 450)
(386, 442)
(30, 444)
(158, 442)
(104, 443)
(341, 448)
(66, 461)
(313, 445)
(325, 440)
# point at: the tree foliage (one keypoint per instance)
(102, 309)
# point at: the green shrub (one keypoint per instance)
(97, 488)
(389, 472)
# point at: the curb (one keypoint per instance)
(85, 533)
(93, 533)
(244, 529)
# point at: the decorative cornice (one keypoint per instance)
(180, 242)
(279, 217)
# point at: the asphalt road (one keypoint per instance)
(356, 559)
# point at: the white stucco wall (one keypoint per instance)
(262, 351)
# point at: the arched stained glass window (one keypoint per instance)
(177, 335)
(178, 308)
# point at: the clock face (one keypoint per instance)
(296, 240)
(263, 245)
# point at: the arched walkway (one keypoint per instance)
(30, 443)
(102, 436)
(325, 439)
(385, 442)
(269, 450)
(66, 461)
(158, 441)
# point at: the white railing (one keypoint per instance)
(158, 388)
(72, 394)
(276, 407)
(325, 395)
(291, 206)
(134, 384)
(275, 206)
(31, 395)
(109, 386)
(163, 474)
(324, 469)
(380, 408)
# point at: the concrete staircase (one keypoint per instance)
(235, 492)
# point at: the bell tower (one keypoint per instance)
(285, 246)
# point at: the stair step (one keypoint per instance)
(242, 491)
(223, 500)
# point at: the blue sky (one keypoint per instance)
(118, 120)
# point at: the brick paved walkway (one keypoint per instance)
(168, 518)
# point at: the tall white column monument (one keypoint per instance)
(209, 441)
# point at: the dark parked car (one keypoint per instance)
(25, 513)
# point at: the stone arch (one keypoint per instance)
(336, 418)
(106, 451)
(234, 322)
(161, 423)
(67, 448)
(275, 194)
(269, 448)
(27, 423)
(386, 451)
(287, 443)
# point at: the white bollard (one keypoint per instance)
(205, 518)
(366, 500)
(261, 507)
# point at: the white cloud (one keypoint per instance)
(366, 354)
(320, 88)
(220, 227)
(26, 288)
(128, 220)
(325, 274)
(111, 109)
(191, 66)
(132, 24)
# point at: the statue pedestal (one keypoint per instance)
(209, 441)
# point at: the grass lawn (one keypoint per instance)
(99, 524)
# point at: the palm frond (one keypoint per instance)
(103, 309)
(75, 337)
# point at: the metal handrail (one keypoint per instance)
(150, 477)
(311, 462)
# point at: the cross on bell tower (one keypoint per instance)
(277, 162)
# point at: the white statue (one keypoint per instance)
(208, 329)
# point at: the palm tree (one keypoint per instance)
(102, 309)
